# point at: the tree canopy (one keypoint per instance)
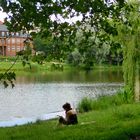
(27, 15)
(50, 18)
(107, 20)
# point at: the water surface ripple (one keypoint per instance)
(28, 102)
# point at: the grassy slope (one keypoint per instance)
(114, 123)
(46, 66)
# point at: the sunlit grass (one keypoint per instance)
(114, 123)
(47, 66)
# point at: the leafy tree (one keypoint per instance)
(26, 15)
(115, 55)
(129, 32)
(8, 77)
(53, 46)
(74, 58)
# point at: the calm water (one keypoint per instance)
(41, 95)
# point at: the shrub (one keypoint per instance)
(74, 58)
(85, 105)
(103, 102)
(31, 68)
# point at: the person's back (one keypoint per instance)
(71, 115)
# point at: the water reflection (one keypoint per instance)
(71, 76)
(32, 100)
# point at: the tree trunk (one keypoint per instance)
(137, 82)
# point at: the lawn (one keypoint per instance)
(114, 123)
(18, 66)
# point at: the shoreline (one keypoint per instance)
(16, 121)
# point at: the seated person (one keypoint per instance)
(71, 116)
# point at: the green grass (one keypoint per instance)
(104, 102)
(34, 66)
(4, 65)
(114, 123)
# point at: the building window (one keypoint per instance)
(2, 41)
(18, 48)
(13, 40)
(8, 48)
(17, 34)
(18, 40)
(13, 47)
(12, 34)
(3, 33)
(7, 34)
(8, 41)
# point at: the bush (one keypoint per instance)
(74, 58)
(103, 102)
(57, 66)
(31, 68)
(85, 105)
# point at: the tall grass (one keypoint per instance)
(103, 102)
(85, 105)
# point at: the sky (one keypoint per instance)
(70, 20)
(2, 16)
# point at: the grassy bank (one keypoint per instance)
(47, 66)
(120, 122)
(34, 66)
(19, 66)
(103, 102)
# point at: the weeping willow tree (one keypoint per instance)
(129, 34)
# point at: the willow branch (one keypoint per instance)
(10, 67)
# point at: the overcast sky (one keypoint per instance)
(2, 16)
(70, 20)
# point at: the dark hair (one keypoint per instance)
(67, 106)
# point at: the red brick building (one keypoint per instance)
(10, 42)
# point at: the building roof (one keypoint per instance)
(20, 34)
(3, 27)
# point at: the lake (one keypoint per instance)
(41, 95)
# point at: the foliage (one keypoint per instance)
(74, 58)
(129, 32)
(51, 47)
(39, 58)
(60, 35)
(26, 53)
(104, 102)
(95, 14)
(115, 55)
(85, 105)
(8, 76)
(57, 66)
(100, 22)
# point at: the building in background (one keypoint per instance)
(11, 42)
